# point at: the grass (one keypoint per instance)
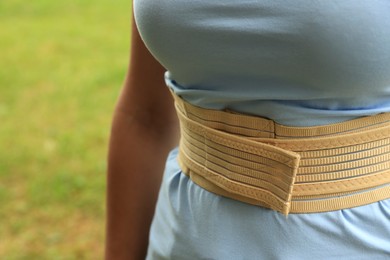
(62, 66)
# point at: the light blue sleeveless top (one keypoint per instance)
(300, 63)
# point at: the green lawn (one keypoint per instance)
(62, 66)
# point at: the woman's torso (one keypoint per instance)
(297, 62)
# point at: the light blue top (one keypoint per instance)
(300, 63)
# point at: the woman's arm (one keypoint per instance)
(144, 129)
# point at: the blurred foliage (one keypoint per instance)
(62, 66)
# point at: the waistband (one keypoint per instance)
(288, 169)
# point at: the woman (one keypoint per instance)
(303, 64)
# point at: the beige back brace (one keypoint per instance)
(289, 169)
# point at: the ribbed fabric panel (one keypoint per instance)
(288, 169)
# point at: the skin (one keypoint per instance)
(144, 129)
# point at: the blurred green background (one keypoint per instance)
(62, 64)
